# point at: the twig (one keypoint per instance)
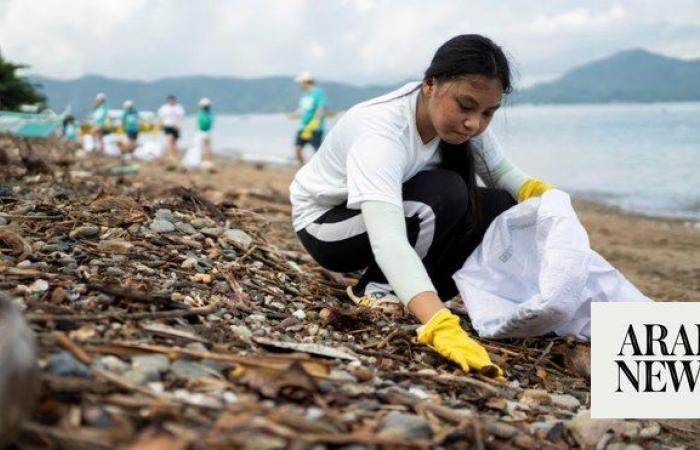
(545, 352)
(64, 342)
(124, 316)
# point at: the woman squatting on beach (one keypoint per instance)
(393, 191)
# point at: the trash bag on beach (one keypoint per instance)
(148, 151)
(111, 145)
(193, 157)
(534, 273)
(88, 142)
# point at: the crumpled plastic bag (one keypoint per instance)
(193, 157)
(534, 273)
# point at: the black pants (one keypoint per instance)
(435, 205)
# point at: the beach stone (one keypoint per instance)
(85, 231)
(565, 401)
(189, 263)
(145, 368)
(3, 221)
(202, 223)
(342, 375)
(299, 314)
(164, 214)
(532, 397)
(288, 322)
(162, 226)
(651, 430)
(242, 332)
(112, 364)
(64, 364)
(119, 246)
(186, 370)
(39, 286)
(588, 432)
(114, 271)
(184, 227)
(408, 426)
(623, 446)
(256, 317)
(210, 231)
(238, 237)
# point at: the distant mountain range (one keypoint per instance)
(628, 76)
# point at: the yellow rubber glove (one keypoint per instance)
(444, 333)
(309, 129)
(533, 188)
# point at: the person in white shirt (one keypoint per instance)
(393, 190)
(171, 115)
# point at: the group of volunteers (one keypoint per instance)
(170, 117)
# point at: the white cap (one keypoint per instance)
(304, 76)
(100, 96)
(204, 102)
(128, 104)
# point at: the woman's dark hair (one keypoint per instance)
(466, 55)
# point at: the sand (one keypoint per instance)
(660, 256)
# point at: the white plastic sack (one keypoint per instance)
(111, 145)
(148, 151)
(88, 143)
(535, 273)
(193, 157)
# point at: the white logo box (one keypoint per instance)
(637, 393)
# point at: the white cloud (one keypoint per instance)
(359, 41)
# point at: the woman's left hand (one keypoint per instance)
(532, 188)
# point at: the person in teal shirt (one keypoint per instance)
(99, 119)
(312, 107)
(205, 123)
(130, 124)
(70, 129)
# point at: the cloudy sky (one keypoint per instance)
(358, 41)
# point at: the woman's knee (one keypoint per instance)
(440, 189)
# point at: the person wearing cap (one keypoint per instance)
(130, 124)
(312, 107)
(205, 122)
(171, 115)
(98, 120)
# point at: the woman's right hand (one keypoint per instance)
(443, 332)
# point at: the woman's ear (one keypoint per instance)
(427, 87)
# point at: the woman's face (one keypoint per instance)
(463, 108)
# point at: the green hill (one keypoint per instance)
(629, 76)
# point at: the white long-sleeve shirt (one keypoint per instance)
(366, 157)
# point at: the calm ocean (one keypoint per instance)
(642, 157)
